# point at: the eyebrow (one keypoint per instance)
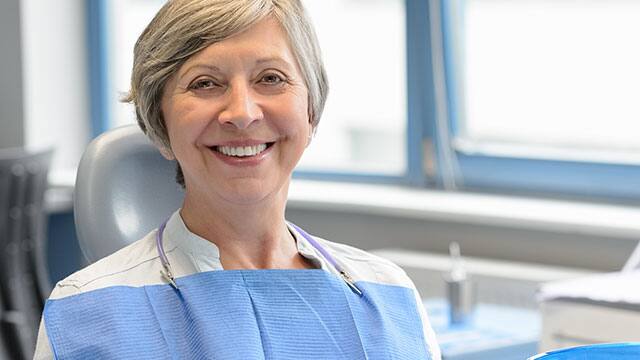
(272, 59)
(214, 68)
(290, 66)
(208, 67)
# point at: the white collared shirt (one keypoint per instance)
(138, 264)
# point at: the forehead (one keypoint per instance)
(265, 40)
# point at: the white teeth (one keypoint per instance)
(241, 151)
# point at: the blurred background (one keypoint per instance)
(507, 126)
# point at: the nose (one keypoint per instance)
(240, 108)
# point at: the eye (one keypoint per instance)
(272, 79)
(203, 84)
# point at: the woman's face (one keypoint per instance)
(237, 116)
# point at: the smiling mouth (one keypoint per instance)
(242, 151)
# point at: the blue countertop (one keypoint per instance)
(492, 332)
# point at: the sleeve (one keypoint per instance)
(43, 348)
(429, 334)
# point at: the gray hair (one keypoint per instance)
(183, 28)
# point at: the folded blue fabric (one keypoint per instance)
(617, 351)
(239, 314)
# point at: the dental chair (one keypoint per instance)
(124, 189)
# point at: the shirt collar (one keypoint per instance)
(309, 251)
(206, 255)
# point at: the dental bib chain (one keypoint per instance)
(168, 275)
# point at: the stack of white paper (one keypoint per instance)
(618, 287)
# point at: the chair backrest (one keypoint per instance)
(124, 189)
(24, 277)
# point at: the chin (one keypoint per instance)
(252, 192)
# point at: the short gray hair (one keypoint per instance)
(183, 28)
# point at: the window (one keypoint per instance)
(364, 123)
(543, 94)
(123, 31)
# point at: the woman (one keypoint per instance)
(233, 90)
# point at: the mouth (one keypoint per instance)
(242, 151)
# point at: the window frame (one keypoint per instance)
(97, 48)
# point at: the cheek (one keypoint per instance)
(295, 127)
(185, 123)
(299, 120)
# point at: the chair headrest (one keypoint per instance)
(124, 189)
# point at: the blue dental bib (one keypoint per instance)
(239, 314)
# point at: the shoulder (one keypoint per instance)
(365, 266)
(382, 270)
(130, 266)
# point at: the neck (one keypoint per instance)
(248, 236)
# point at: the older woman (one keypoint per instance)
(233, 90)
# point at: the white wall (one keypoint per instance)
(11, 115)
(541, 246)
(55, 78)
